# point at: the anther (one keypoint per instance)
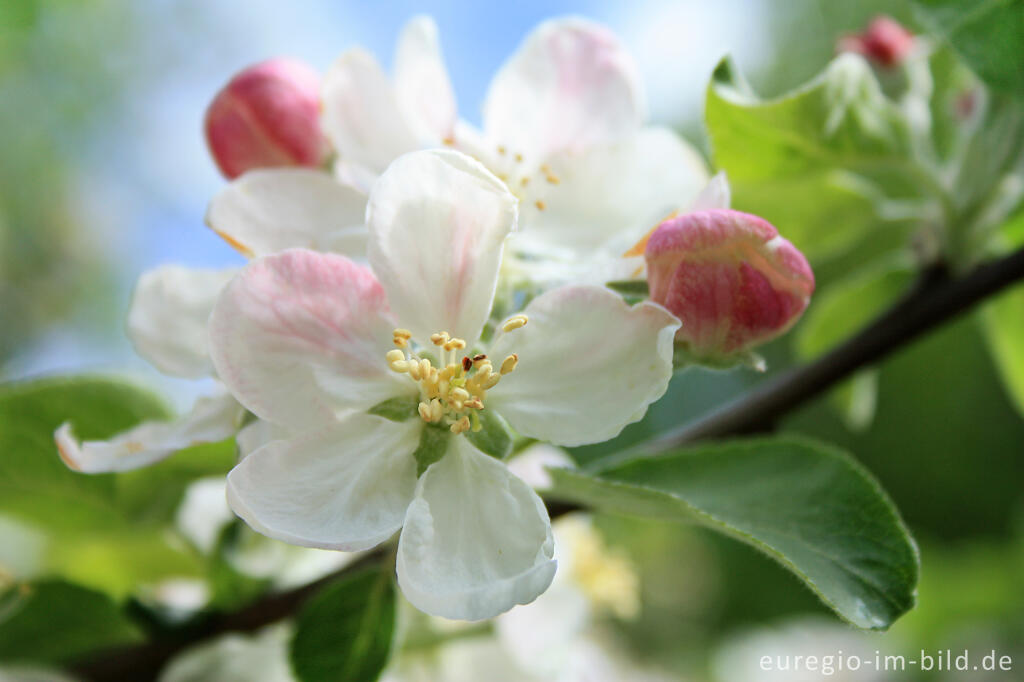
(502, 150)
(425, 413)
(455, 344)
(479, 360)
(439, 339)
(525, 181)
(553, 179)
(461, 426)
(509, 363)
(466, 363)
(474, 404)
(460, 394)
(519, 158)
(540, 205)
(515, 322)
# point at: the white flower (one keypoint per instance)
(307, 342)
(167, 326)
(260, 213)
(563, 127)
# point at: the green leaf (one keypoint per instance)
(433, 445)
(816, 162)
(810, 506)
(1003, 322)
(397, 409)
(345, 632)
(55, 621)
(494, 437)
(988, 34)
(34, 483)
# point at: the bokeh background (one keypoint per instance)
(104, 173)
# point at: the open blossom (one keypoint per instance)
(167, 321)
(313, 343)
(268, 115)
(732, 280)
(563, 127)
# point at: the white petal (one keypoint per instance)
(421, 82)
(477, 540)
(255, 435)
(589, 364)
(260, 657)
(212, 419)
(531, 464)
(437, 221)
(203, 513)
(269, 210)
(716, 194)
(300, 338)
(610, 195)
(570, 85)
(168, 314)
(361, 115)
(346, 487)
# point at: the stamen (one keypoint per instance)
(455, 344)
(509, 364)
(439, 339)
(540, 205)
(502, 150)
(467, 364)
(515, 322)
(519, 158)
(461, 425)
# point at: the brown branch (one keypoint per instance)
(936, 300)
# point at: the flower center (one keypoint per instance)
(453, 392)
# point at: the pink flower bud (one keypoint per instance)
(267, 115)
(885, 41)
(730, 278)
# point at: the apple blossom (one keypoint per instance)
(267, 116)
(732, 280)
(317, 345)
(562, 127)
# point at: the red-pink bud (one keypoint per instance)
(267, 115)
(885, 41)
(730, 278)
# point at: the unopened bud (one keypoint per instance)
(729, 277)
(885, 41)
(268, 115)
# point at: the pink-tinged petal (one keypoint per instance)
(361, 114)
(421, 82)
(212, 419)
(569, 86)
(589, 364)
(476, 540)
(730, 278)
(300, 338)
(438, 221)
(885, 41)
(345, 487)
(267, 211)
(267, 116)
(167, 318)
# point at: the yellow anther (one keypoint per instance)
(402, 333)
(519, 158)
(502, 150)
(540, 205)
(425, 368)
(439, 339)
(460, 394)
(455, 344)
(509, 363)
(461, 425)
(436, 410)
(491, 382)
(425, 413)
(479, 360)
(474, 404)
(396, 360)
(525, 181)
(553, 179)
(515, 322)
(448, 141)
(545, 169)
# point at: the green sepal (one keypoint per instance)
(433, 445)
(494, 437)
(398, 409)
